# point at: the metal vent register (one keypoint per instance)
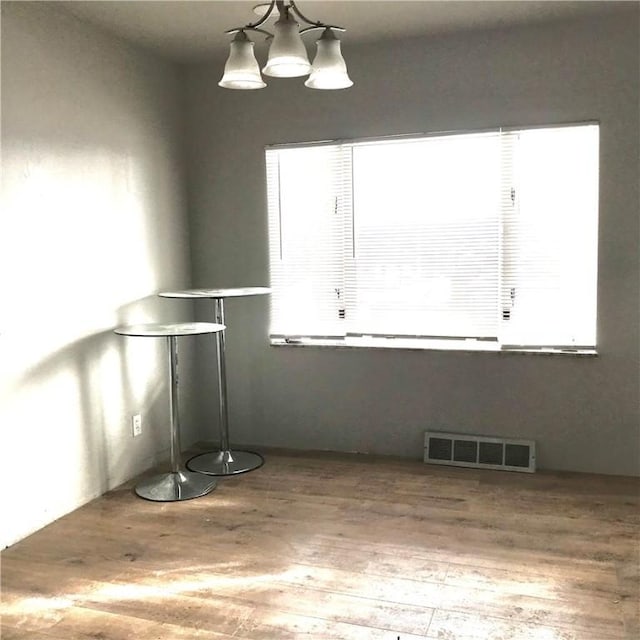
(480, 452)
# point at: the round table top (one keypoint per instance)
(216, 293)
(159, 329)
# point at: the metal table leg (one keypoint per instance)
(225, 462)
(178, 484)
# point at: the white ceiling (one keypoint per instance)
(188, 30)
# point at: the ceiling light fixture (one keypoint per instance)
(287, 52)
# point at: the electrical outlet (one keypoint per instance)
(136, 425)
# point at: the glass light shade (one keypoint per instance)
(287, 54)
(329, 70)
(241, 70)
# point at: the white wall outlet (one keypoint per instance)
(136, 425)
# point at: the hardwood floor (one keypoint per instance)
(336, 546)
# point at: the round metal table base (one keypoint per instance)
(225, 463)
(171, 487)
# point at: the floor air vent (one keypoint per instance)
(462, 450)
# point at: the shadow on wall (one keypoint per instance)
(93, 225)
(84, 247)
(67, 420)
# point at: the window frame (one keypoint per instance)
(439, 343)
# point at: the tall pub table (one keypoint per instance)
(179, 483)
(226, 461)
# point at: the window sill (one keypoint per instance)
(412, 344)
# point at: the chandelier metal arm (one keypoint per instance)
(253, 26)
(315, 24)
(283, 7)
(250, 28)
(321, 26)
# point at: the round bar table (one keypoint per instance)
(178, 484)
(225, 462)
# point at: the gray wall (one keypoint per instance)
(583, 412)
(93, 224)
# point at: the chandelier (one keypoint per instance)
(287, 52)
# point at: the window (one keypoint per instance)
(477, 240)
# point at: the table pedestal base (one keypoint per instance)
(171, 487)
(225, 463)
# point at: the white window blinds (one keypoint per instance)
(550, 241)
(489, 236)
(307, 191)
(426, 216)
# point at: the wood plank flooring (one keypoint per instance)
(337, 546)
